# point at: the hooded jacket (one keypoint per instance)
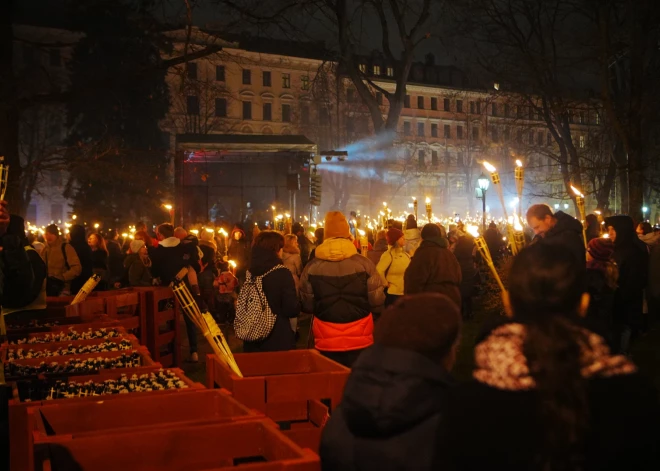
(168, 259)
(380, 247)
(52, 255)
(389, 417)
(138, 273)
(280, 291)
(293, 262)
(631, 257)
(567, 232)
(434, 269)
(391, 268)
(413, 238)
(239, 251)
(343, 290)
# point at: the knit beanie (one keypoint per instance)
(426, 323)
(336, 225)
(136, 245)
(600, 248)
(411, 222)
(393, 235)
(431, 230)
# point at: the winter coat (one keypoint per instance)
(493, 238)
(138, 273)
(52, 255)
(343, 290)
(379, 249)
(601, 301)
(434, 269)
(239, 252)
(305, 248)
(567, 232)
(413, 238)
(464, 251)
(280, 291)
(390, 415)
(391, 268)
(168, 259)
(632, 259)
(208, 256)
(84, 253)
(494, 412)
(115, 261)
(99, 260)
(293, 262)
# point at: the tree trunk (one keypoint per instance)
(604, 192)
(636, 184)
(622, 165)
(9, 114)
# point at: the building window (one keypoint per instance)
(434, 158)
(507, 135)
(350, 125)
(304, 82)
(582, 142)
(266, 78)
(350, 95)
(434, 103)
(286, 80)
(324, 116)
(379, 98)
(406, 101)
(268, 111)
(56, 212)
(420, 102)
(56, 178)
(530, 111)
(407, 130)
(447, 158)
(420, 129)
(363, 68)
(520, 111)
(531, 138)
(539, 138)
(390, 71)
(376, 70)
(475, 134)
(446, 105)
(247, 110)
(304, 114)
(421, 159)
(247, 76)
(221, 107)
(597, 118)
(286, 113)
(473, 108)
(459, 106)
(191, 70)
(459, 159)
(192, 105)
(507, 110)
(447, 130)
(493, 109)
(459, 132)
(220, 73)
(434, 130)
(494, 135)
(460, 186)
(55, 59)
(583, 119)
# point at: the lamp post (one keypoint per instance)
(644, 210)
(483, 183)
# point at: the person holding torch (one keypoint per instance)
(556, 229)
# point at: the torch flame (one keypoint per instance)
(361, 232)
(414, 198)
(489, 167)
(472, 230)
(428, 200)
(518, 163)
(517, 224)
(222, 231)
(232, 263)
(576, 191)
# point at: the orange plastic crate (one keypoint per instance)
(307, 433)
(204, 447)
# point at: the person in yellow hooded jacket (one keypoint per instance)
(344, 291)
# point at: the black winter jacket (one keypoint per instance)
(280, 290)
(84, 253)
(168, 259)
(567, 232)
(390, 415)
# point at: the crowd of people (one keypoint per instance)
(553, 388)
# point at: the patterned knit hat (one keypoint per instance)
(601, 248)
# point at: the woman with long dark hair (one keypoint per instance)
(547, 392)
(99, 259)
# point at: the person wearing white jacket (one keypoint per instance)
(413, 236)
(393, 265)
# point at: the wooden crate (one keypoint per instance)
(307, 433)
(279, 384)
(162, 323)
(21, 455)
(204, 447)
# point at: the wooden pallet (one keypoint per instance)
(162, 324)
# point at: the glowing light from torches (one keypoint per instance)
(124, 235)
(168, 207)
(472, 230)
(209, 230)
(194, 231)
(361, 232)
(577, 192)
(232, 263)
(96, 226)
(279, 217)
(222, 232)
(606, 236)
(287, 215)
(518, 163)
(517, 225)
(384, 204)
(74, 217)
(489, 167)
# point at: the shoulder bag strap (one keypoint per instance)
(66, 260)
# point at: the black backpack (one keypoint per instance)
(25, 273)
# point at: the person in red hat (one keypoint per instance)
(393, 264)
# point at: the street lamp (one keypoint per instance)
(483, 183)
(644, 210)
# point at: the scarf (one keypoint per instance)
(501, 363)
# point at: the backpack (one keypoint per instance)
(25, 275)
(254, 318)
